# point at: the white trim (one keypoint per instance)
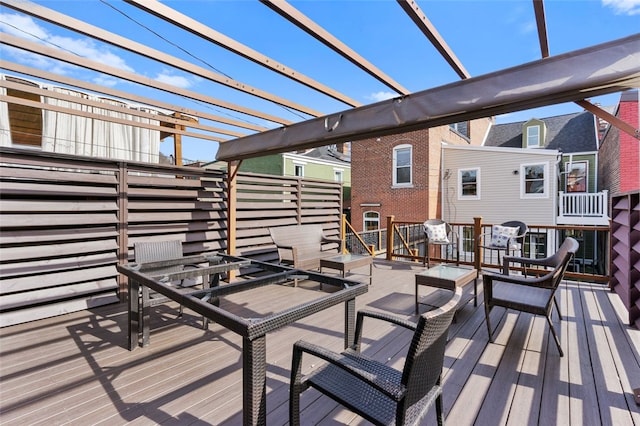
(459, 184)
(545, 186)
(394, 168)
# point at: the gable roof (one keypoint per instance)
(567, 133)
(328, 153)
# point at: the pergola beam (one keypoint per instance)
(597, 70)
(419, 18)
(541, 23)
(197, 28)
(128, 96)
(97, 33)
(58, 54)
(303, 22)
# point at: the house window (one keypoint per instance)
(534, 181)
(469, 184)
(461, 128)
(338, 175)
(298, 170)
(371, 221)
(535, 245)
(402, 165)
(533, 137)
(576, 176)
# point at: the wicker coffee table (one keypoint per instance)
(448, 277)
(346, 262)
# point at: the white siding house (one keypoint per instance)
(497, 184)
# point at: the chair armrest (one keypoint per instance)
(489, 277)
(346, 363)
(388, 318)
(525, 261)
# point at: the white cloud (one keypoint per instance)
(174, 80)
(381, 96)
(106, 80)
(624, 7)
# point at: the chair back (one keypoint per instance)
(425, 358)
(560, 260)
(435, 222)
(157, 251)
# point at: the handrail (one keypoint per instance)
(369, 249)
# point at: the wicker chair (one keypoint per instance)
(372, 389)
(534, 295)
(449, 238)
(512, 243)
(157, 251)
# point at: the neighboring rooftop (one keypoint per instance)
(567, 133)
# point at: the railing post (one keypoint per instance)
(390, 221)
(477, 250)
(343, 232)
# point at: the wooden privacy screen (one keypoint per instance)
(66, 222)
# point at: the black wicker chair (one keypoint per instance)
(372, 389)
(511, 245)
(451, 240)
(534, 295)
(155, 251)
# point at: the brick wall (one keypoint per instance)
(372, 173)
(619, 154)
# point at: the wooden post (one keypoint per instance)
(343, 232)
(390, 220)
(477, 250)
(123, 222)
(232, 202)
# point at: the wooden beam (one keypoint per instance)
(610, 118)
(541, 22)
(97, 33)
(418, 17)
(153, 103)
(60, 55)
(303, 22)
(195, 27)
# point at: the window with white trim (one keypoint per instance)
(371, 221)
(534, 182)
(338, 175)
(533, 136)
(402, 170)
(469, 184)
(577, 176)
(298, 170)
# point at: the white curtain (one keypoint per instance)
(98, 138)
(5, 130)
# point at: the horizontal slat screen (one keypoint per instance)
(67, 221)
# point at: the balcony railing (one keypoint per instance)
(583, 208)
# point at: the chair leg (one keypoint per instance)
(487, 311)
(555, 336)
(439, 410)
(555, 302)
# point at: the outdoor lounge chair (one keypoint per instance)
(372, 389)
(507, 237)
(439, 233)
(534, 295)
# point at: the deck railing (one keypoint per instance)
(583, 208)
(405, 240)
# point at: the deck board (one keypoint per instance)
(75, 368)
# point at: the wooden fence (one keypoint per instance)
(66, 221)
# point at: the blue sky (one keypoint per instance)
(485, 35)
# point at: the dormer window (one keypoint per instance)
(533, 134)
(533, 137)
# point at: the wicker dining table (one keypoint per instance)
(253, 330)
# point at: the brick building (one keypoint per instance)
(400, 174)
(619, 154)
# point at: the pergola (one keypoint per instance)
(570, 77)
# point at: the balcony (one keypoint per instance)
(583, 208)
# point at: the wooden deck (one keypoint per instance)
(75, 368)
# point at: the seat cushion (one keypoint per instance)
(501, 236)
(437, 233)
(527, 298)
